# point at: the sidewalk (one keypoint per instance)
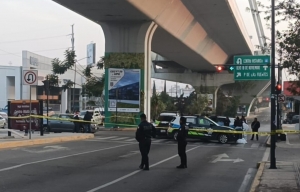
(36, 139)
(286, 178)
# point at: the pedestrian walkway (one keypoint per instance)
(249, 145)
(286, 178)
(36, 139)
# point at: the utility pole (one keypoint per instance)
(273, 110)
(72, 40)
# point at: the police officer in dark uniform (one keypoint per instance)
(143, 135)
(181, 138)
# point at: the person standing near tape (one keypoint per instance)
(238, 124)
(76, 123)
(143, 135)
(181, 139)
(255, 125)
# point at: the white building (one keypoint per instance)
(12, 89)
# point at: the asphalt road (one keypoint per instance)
(109, 162)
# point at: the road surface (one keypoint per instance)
(110, 161)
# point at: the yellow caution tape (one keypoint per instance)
(169, 129)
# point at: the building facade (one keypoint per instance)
(60, 100)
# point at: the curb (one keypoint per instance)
(256, 180)
(13, 144)
(116, 129)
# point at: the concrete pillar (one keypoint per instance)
(132, 37)
(64, 101)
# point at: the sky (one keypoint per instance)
(44, 27)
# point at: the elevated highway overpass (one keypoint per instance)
(194, 35)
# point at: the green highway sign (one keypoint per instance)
(248, 67)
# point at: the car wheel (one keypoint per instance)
(223, 138)
(175, 135)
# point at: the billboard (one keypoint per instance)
(124, 90)
(91, 54)
(21, 108)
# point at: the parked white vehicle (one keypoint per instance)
(4, 115)
(2, 122)
(99, 115)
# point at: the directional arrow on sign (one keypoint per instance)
(220, 157)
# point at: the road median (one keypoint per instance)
(12, 143)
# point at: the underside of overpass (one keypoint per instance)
(204, 34)
(195, 35)
(248, 96)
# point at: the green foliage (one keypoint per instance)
(87, 71)
(94, 86)
(232, 107)
(168, 101)
(122, 60)
(197, 104)
(60, 67)
(91, 103)
(154, 89)
(67, 85)
(123, 118)
(53, 80)
(287, 39)
(157, 106)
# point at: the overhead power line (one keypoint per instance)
(4, 42)
(45, 50)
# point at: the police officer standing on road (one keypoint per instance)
(143, 135)
(227, 121)
(76, 123)
(181, 138)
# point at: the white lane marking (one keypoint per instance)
(107, 137)
(159, 140)
(134, 172)
(130, 140)
(247, 179)
(62, 157)
(131, 153)
(120, 138)
(255, 145)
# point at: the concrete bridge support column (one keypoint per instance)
(131, 37)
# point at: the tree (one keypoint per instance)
(93, 86)
(198, 104)
(154, 89)
(287, 41)
(232, 107)
(157, 106)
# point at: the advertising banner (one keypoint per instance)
(124, 90)
(21, 108)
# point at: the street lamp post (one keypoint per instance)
(273, 110)
(46, 87)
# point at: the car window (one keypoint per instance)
(191, 120)
(66, 116)
(1, 117)
(165, 118)
(54, 116)
(203, 121)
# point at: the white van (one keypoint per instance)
(99, 115)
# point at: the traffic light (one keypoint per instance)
(219, 69)
(278, 88)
